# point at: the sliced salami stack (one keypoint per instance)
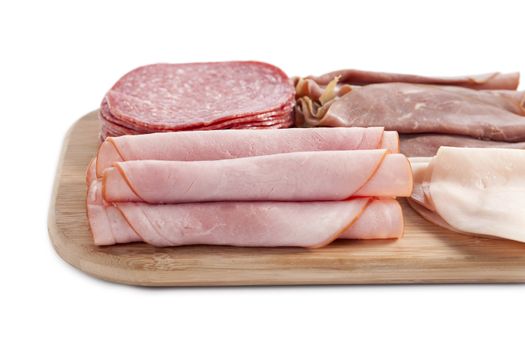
(198, 96)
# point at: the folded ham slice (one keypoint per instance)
(227, 144)
(382, 219)
(298, 176)
(473, 190)
(261, 224)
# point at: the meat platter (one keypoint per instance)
(231, 173)
(426, 254)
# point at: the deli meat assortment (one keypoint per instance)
(290, 187)
(428, 112)
(238, 153)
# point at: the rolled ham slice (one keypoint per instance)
(382, 219)
(473, 190)
(227, 144)
(298, 176)
(260, 224)
(91, 171)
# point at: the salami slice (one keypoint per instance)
(110, 128)
(171, 97)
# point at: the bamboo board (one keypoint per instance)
(426, 254)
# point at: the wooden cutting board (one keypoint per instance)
(426, 254)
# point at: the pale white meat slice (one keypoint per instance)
(474, 190)
(227, 144)
(421, 180)
(299, 176)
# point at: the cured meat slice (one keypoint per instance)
(227, 144)
(382, 219)
(91, 172)
(260, 224)
(106, 221)
(321, 93)
(425, 145)
(299, 176)
(410, 108)
(274, 116)
(272, 120)
(110, 129)
(473, 190)
(489, 81)
(178, 96)
(223, 223)
(285, 119)
(263, 125)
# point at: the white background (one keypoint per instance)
(58, 59)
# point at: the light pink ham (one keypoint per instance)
(106, 221)
(382, 219)
(227, 144)
(262, 224)
(298, 176)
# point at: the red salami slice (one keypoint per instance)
(112, 129)
(170, 97)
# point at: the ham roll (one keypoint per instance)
(299, 176)
(252, 188)
(227, 144)
(261, 224)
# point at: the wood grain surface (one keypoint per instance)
(426, 254)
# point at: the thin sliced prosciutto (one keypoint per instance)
(298, 176)
(227, 144)
(260, 224)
